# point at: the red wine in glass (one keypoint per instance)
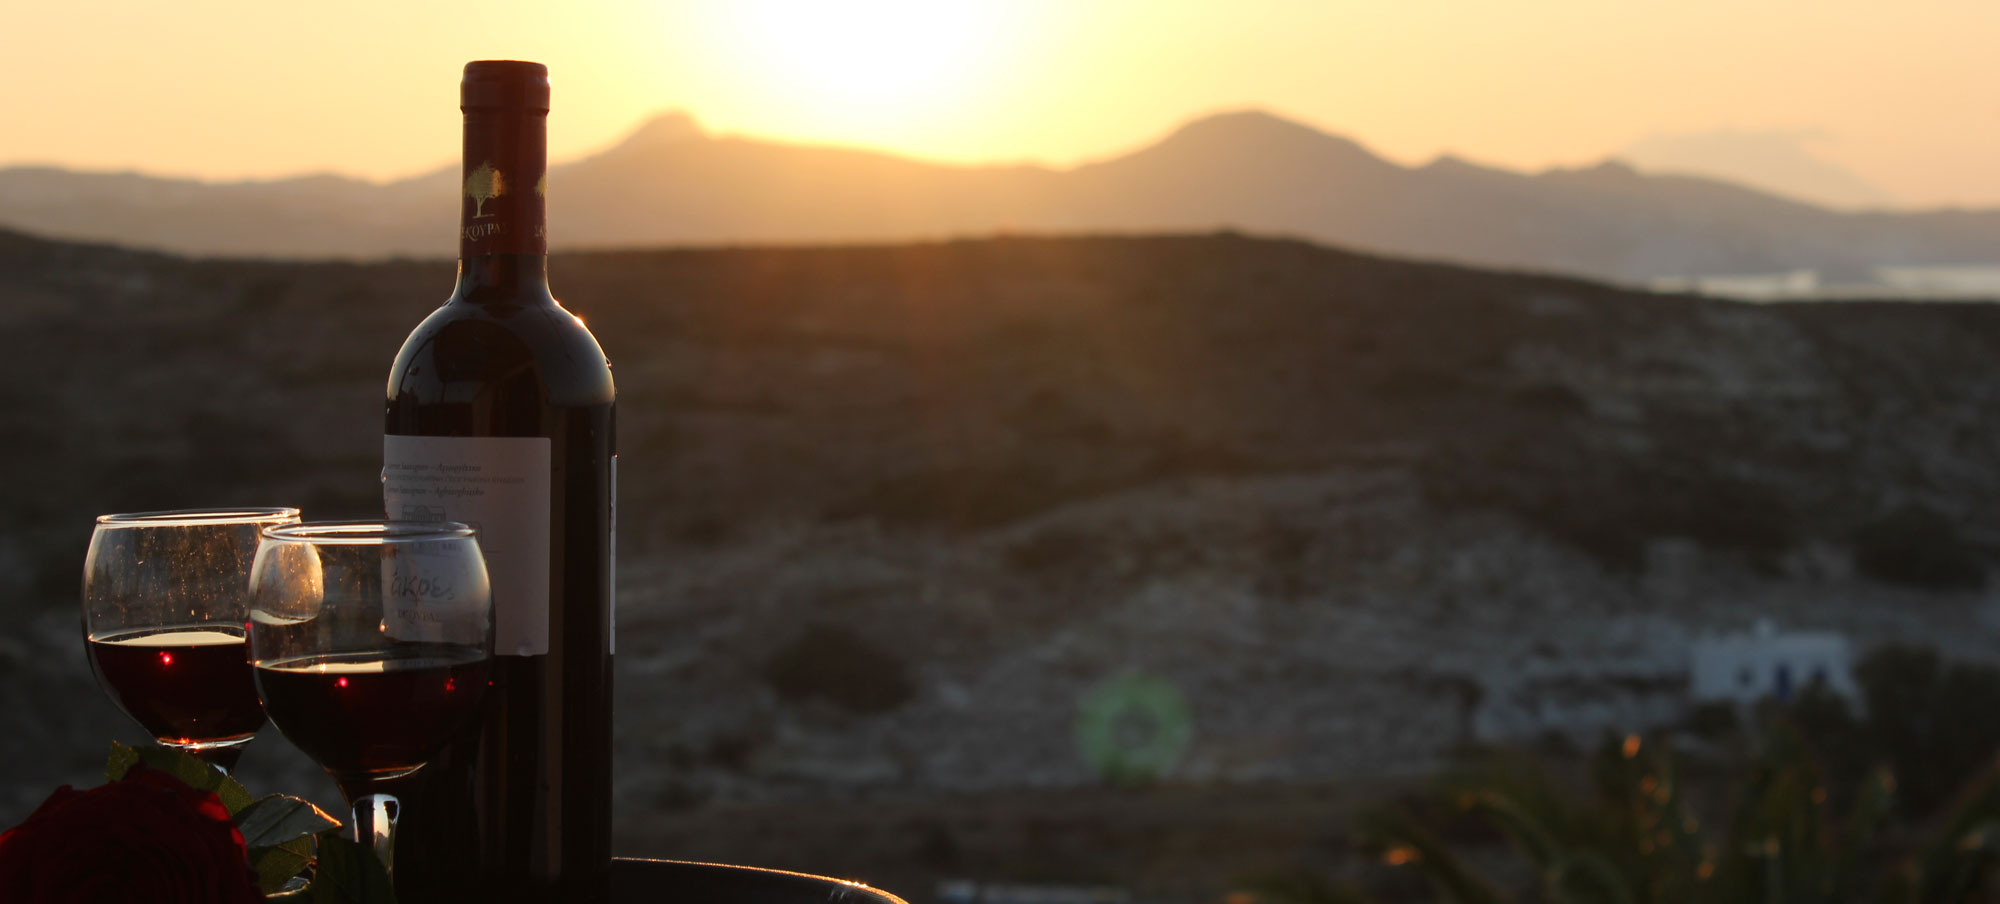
(376, 714)
(189, 686)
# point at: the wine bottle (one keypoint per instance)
(500, 415)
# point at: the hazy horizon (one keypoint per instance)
(1892, 108)
(1774, 162)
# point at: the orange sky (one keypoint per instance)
(1903, 96)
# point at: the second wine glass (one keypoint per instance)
(370, 643)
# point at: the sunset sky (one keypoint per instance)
(1903, 97)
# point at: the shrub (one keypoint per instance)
(833, 663)
(1930, 720)
(1917, 547)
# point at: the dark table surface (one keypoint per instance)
(672, 881)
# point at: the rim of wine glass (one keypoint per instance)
(199, 517)
(367, 533)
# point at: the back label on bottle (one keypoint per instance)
(499, 485)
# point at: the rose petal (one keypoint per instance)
(148, 837)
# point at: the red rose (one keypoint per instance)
(148, 837)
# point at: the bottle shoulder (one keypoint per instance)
(467, 346)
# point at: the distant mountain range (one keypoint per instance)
(671, 183)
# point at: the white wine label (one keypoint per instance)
(500, 486)
(431, 591)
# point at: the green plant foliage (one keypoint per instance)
(279, 831)
(278, 864)
(181, 765)
(349, 874)
(1402, 840)
(1932, 721)
(1634, 835)
(279, 818)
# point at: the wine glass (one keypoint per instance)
(371, 642)
(163, 612)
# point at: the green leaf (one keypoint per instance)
(277, 864)
(1586, 869)
(1528, 833)
(122, 760)
(279, 818)
(181, 765)
(279, 830)
(349, 874)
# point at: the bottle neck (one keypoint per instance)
(511, 277)
(503, 210)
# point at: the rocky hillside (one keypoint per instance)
(890, 513)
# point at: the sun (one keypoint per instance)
(864, 56)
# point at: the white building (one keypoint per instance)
(1765, 663)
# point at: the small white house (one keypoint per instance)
(1766, 663)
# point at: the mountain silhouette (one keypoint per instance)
(669, 182)
(1782, 162)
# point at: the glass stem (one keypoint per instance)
(375, 826)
